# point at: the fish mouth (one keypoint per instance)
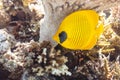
(55, 38)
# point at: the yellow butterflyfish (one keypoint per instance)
(79, 30)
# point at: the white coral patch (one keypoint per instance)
(62, 70)
(6, 40)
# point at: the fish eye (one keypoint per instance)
(62, 36)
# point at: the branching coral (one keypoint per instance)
(36, 59)
(111, 69)
(52, 62)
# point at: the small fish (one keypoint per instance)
(79, 30)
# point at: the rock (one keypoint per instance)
(4, 19)
(6, 40)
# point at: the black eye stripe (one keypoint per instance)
(62, 36)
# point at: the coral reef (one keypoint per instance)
(23, 57)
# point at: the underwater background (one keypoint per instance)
(29, 52)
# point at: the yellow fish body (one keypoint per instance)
(79, 30)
